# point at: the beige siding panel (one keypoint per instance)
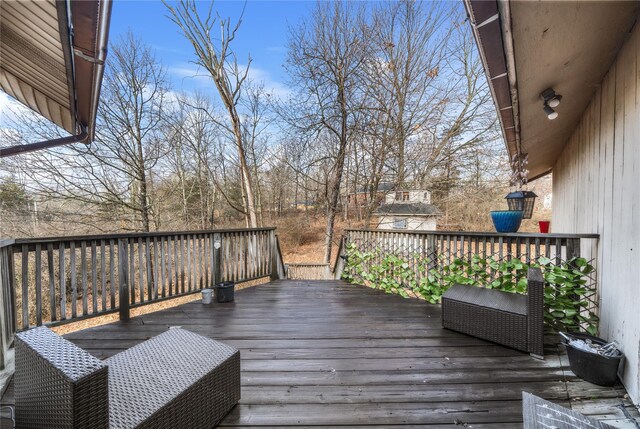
(596, 188)
(55, 83)
(43, 106)
(54, 111)
(47, 36)
(32, 66)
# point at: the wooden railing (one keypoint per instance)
(443, 247)
(427, 252)
(7, 304)
(309, 271)
(49, 281)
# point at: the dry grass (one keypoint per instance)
(302, 235)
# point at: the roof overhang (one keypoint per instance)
(527, 47)
(52, 56)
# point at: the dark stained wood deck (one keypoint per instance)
(330, 354)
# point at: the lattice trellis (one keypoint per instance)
(408, 261)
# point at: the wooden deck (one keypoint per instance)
(325, 353)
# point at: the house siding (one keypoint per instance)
(415, 196)
(596, 189)
(413, 223)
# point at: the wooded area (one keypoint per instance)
(389, 93)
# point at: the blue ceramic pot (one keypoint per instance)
(506, 220)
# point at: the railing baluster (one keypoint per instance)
(202, 262)
(189, 268)
(94, 277)
(170, 265)
(103, 275)
(38, 271)
(140, 270)
(83, 277)
(158, 277)
(177, 257)
(25, 287)
(52, 283)
(123, 277)
(182, 256)
(196, 262)
(132, 271)
(112, 280)
(205, 257)
(63, 283)
(74, 285)
(150, 266)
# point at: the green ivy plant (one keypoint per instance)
(566, 295)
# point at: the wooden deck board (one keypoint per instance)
(329, 354)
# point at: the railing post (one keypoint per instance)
(123, 278)
(338, 267)
(217, 258)
(573, 248)
(5, 287)
(274, 255)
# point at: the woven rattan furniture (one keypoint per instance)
(513, 320)
(58, 385)
(540, 414)
(177, 380)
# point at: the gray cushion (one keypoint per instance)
(489, 298)
(541, 414)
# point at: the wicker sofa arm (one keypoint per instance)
(57, 384)
(535, 310)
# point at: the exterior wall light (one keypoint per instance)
(551, 114)
(550, 101)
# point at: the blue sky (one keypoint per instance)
(263, 35)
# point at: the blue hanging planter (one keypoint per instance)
(507, 220)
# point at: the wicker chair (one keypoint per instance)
(538, 413)
(510, 319)
(175, 380)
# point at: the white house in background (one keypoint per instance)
(589, 53)
(410, 209)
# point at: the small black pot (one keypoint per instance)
(592, 367)
(225, 291)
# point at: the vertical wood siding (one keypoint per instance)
(596, 189)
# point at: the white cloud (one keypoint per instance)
(200, 78)
(191, 74)
(272, 86)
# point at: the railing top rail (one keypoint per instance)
(43, 240)
(478, 234)
(5, 242)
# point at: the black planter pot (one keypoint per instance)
(592, 367)
(225, 291)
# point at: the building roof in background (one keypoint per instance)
(52, 58)
(527, 47)
(382, 187)
(408, 209)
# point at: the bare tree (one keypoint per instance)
(325, 62)
(217, 57)
(113, 175)
(410, 40)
